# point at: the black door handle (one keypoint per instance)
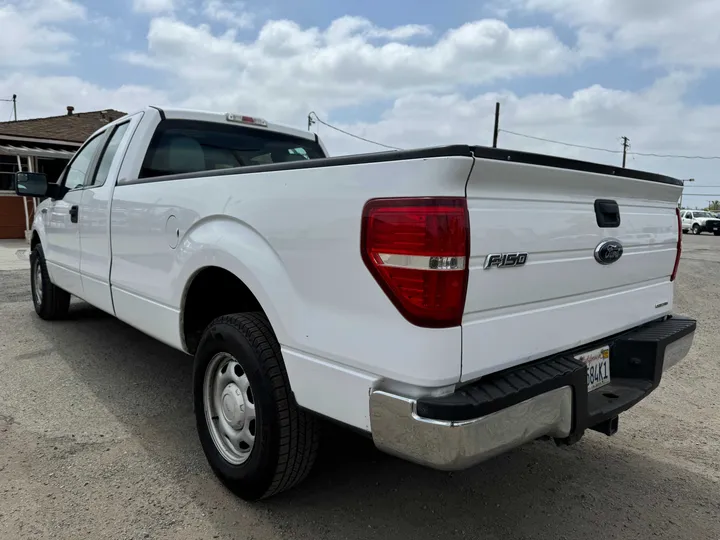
(74, 214)
(607, 213)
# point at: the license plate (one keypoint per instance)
(598, 367)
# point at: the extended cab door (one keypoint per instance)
(94, 217)
(62, 247)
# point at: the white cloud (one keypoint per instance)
(233, 14)
(154, 6)
(683, 33)
(429, 83)
(350, 62)
(40, 96)
(30, 33)
(347, 27)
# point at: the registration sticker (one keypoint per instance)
(598, 367)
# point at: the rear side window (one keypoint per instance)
(109, 155)
(184, 146)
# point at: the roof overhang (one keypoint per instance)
(33, 151)
(5, 138)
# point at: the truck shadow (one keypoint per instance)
(594, 489)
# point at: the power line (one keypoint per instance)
(317, 118)
(313, 117)
(561, 142)
(644, 154)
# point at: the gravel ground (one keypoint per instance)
(97, 440)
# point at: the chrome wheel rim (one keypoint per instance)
(38, 283)
(229, 406)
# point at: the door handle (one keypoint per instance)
(74, 214)
(607, 213)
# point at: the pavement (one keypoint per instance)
(14, 254)
(97, 440)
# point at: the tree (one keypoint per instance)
(714, 206)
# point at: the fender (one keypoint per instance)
(38, 225)
(38, 228)
(233, 245)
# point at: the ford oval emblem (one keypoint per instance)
(608, 251)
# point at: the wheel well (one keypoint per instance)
(35, 240)
(213, 292)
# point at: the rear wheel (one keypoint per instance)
(50, 301)
(696, 229)
(256, 439)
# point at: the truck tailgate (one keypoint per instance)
(561, 297)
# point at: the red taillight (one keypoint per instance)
(417, 249)
(679, 246)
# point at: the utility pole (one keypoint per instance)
(14, 104)
(497, 124)
(310, 121)
(626, 146)
(681, 194)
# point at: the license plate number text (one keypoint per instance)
(598, 367)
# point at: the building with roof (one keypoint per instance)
(40, 145)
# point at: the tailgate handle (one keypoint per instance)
(607, 213)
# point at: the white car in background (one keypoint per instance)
(699, 221)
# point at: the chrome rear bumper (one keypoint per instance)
(446, 445)
(556, 405)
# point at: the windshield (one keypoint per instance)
(702, 214)
(183, 146)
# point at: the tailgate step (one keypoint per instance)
(637, 361)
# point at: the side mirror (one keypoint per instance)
(31, 184)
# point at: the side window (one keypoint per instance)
(109, 155)
(78, 168)
(689, 215)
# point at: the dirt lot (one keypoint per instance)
(97, 440)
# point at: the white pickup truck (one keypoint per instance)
(451, 302)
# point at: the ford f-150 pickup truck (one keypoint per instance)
(449, 302)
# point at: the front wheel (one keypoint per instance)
(255, 437)
(50, 301)
(696, 229)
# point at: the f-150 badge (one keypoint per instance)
(505, 260)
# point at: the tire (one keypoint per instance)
(50, 301)
(716, 233)
(286, 438)
(696, 229)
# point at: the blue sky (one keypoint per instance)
(401, 72)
